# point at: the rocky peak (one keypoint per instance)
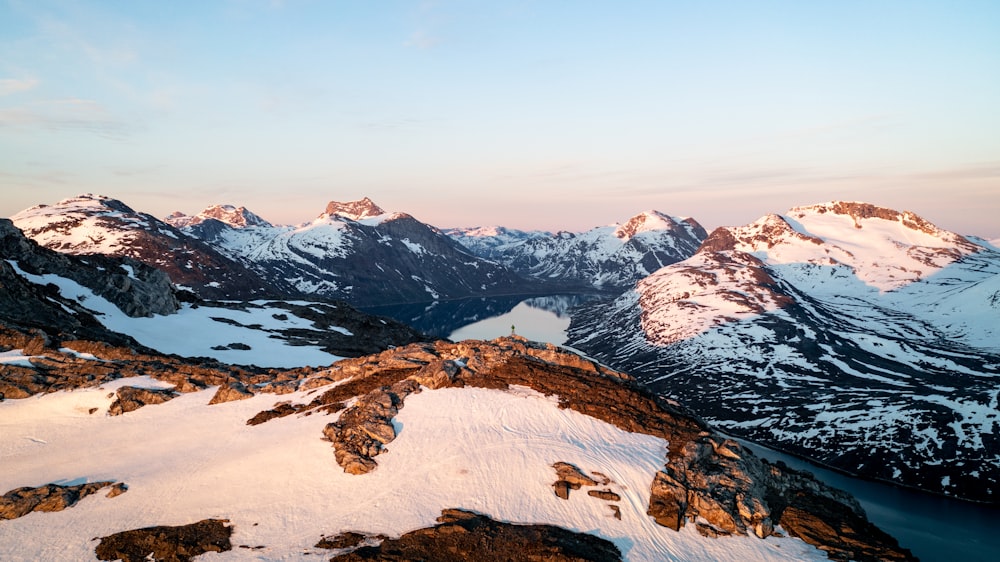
(644, 222)
(236, 217)
(355, 210)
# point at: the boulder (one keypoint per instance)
(50, 497)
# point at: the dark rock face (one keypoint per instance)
(50, 497)
(136, 289)
(132, 398)
(167, 544)
(464, 535)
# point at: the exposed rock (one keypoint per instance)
(231, 391)
(463, 535)
(167, 544)
(572, 475)
(736, 493)
(350, 539)
(131, 398)
(362, 430)
(606, 495)
(50, 497)
(117, 490)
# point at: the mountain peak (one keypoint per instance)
(236, 217)
(355, 210)
(644, 222)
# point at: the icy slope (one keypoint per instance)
(279, 487)
(861, 337)
(608, 257)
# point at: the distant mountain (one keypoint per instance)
(493, 242)
(858, 336)
(94, 224)
(357, 252)
(237, 217)
(605, 258)
(57, 298)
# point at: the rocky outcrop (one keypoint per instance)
(569, 477)
(167, 544)
(707, 479)
(68, 364)
(230, 392)
(50, 497)
(465, 535)
(363, 430)
(131, 398)
(724, 490)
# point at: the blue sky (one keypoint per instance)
(531, 114)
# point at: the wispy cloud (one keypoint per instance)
(70, 114)
(14, 85)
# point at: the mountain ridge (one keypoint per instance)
(805, 330)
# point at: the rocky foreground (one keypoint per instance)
(706, 481)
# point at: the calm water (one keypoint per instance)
(933, 528)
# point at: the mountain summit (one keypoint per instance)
(354, 210)
(236, 217)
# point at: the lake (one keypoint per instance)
(932, 527)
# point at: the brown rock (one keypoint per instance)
(572, 475)
(606, 495)
(167, 544)
(462, 535)
(131, 398)
(231, 391)
(50, 497)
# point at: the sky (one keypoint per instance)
(554, 115)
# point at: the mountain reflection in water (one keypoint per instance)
(539, 318)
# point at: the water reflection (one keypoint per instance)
(441, 319)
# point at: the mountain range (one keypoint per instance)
(608, 258)
(503, 450)
(858, 336)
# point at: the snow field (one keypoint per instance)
(484, 450)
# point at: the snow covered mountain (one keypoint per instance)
(237, 217)
(493, 242)
(51, 297)
(357, 252)
(605, 258)
(94, 224)
(858, 336)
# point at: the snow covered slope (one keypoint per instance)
(94, 224)
(357, 252)
(609, 257)
(482, 445)
(861, 337)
